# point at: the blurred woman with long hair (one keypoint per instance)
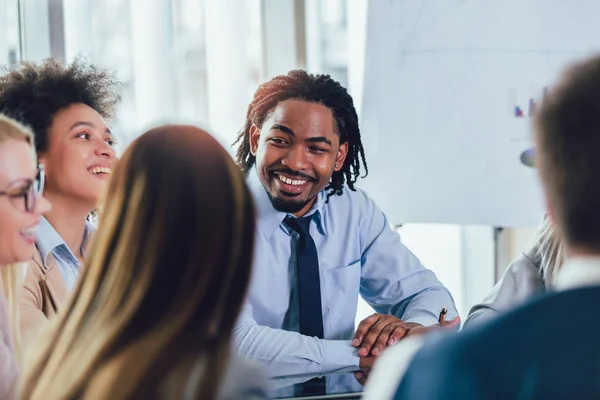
(163, 282)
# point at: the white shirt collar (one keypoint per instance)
(579, 272)
(47, 239)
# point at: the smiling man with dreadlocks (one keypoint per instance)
(321, 241)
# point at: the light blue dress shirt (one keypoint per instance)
(359, 254)
(49, 242)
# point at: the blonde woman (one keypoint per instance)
(530, 274)
(162, 285)
(21, 208)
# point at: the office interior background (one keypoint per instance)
(199, 61)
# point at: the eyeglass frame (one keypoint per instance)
(36, 192)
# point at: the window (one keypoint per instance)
(327, 38)
(10, 49)
(160, 55)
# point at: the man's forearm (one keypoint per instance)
(289, 353)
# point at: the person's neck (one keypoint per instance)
(68, 219)
(581, 252)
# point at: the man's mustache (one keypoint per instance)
(291, 173)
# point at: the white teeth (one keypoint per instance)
(100, 170)
(30, 231)
(290, 181)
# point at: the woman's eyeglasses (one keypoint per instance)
(24, 197)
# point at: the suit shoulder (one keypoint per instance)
(503, 337)
(495, 358)
(444, 360)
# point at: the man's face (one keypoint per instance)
(297, 150)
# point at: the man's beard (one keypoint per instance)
(286, 205)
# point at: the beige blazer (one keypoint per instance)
(44, 291)
(9, 369)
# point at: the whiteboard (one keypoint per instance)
(449, 88)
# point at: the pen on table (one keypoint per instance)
(442, 315)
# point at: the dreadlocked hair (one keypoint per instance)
(299, 85)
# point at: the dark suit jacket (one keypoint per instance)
(547, 349)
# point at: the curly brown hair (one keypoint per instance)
(33, 93)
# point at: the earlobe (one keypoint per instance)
(254, 137)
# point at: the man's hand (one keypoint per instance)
(452, 325)
(361, 377)
(379, 331)
(366, 363)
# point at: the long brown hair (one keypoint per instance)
(163, 282)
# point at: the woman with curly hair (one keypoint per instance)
(67, 108)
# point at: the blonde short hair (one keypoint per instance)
(13, 130)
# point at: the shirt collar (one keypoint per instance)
(48, 239)
(579, 272)
(269, 219)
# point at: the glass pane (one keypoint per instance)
(101, 33)
(9, 35)
(189, 39)
(159, 54)
(334, 28)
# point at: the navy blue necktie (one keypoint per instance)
(309, 281)
(309, 294)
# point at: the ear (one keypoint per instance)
(341, 156)
(41, 158)
(550, 211)
(254, 139)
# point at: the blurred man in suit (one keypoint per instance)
(548, 348)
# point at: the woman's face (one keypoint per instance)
(80, 156)
(18, 171)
